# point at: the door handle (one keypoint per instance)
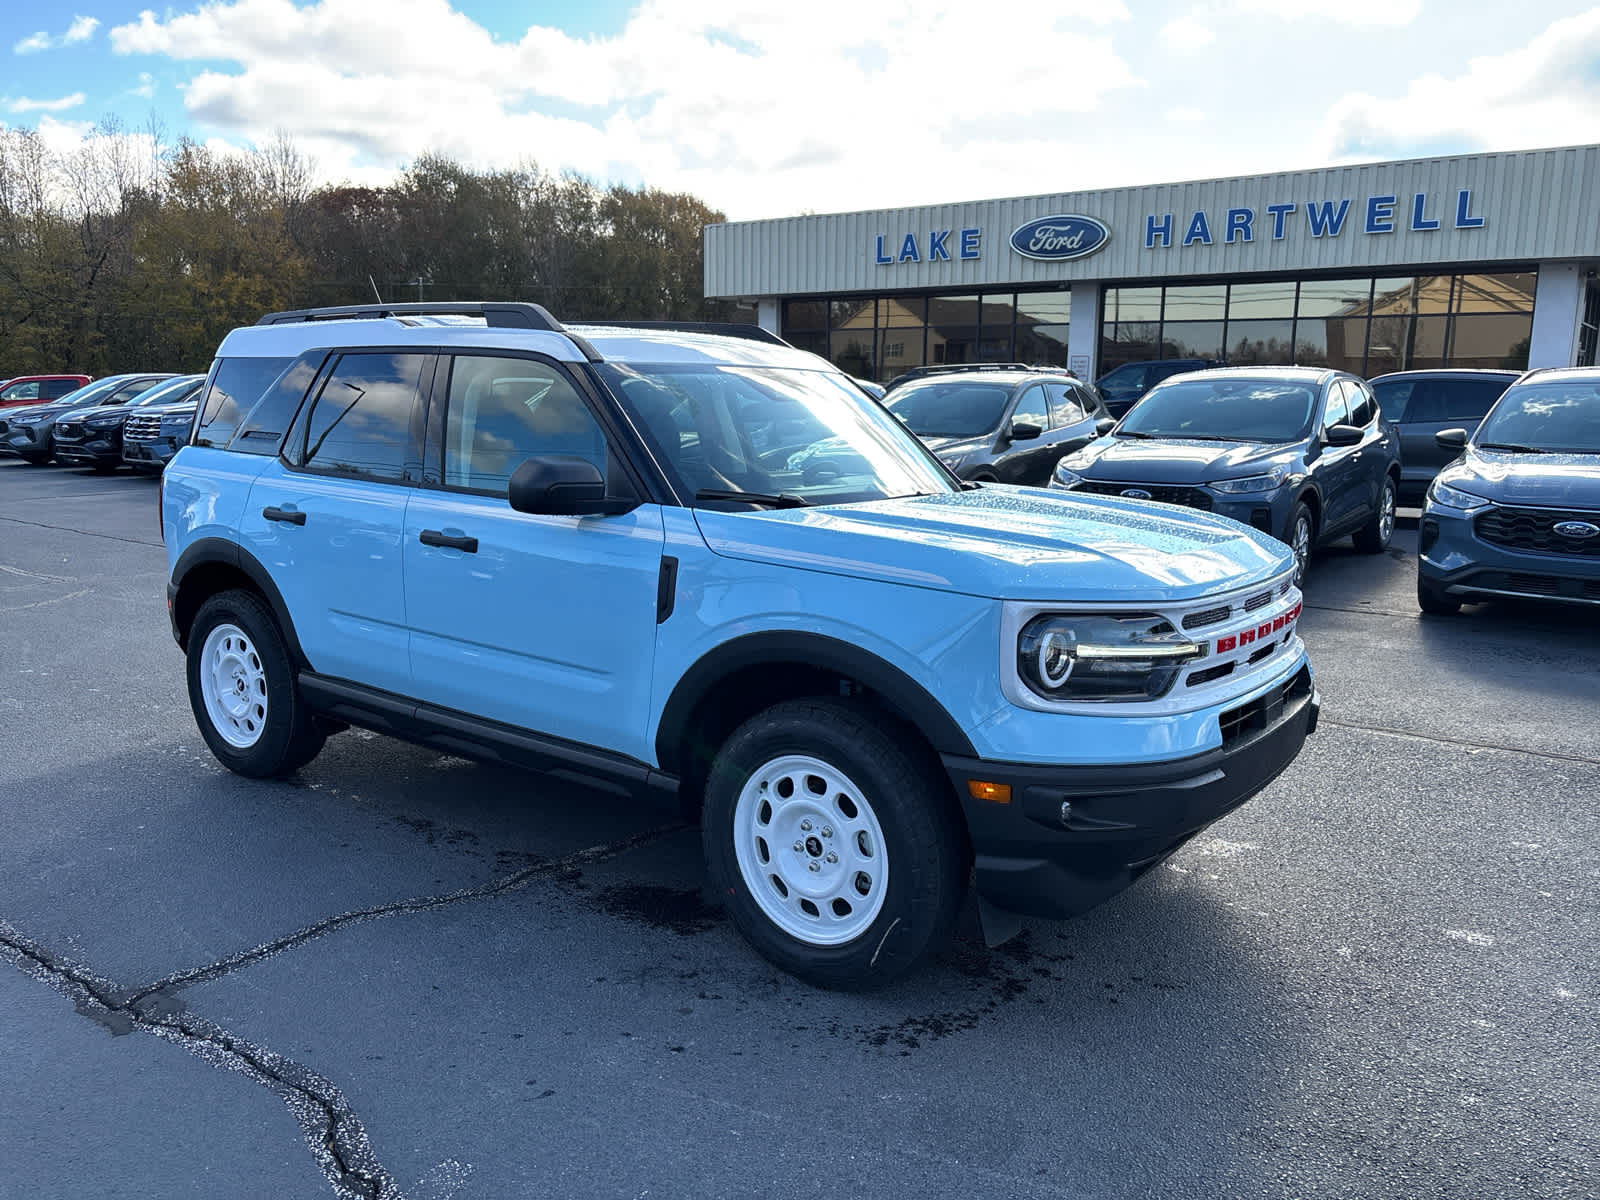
(290, 516)
(449, 541)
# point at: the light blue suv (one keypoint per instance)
(597, 551)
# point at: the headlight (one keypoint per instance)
(102, 422)
(1445, 496)
(1100, 658)
(1250, 483)
(953, 461)
(1064, 477)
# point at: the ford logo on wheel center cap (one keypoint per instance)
(1136, 493)
(1060, 237)
(1577, 529)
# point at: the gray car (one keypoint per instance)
(1300, 453)
(1518, 512)
(1421, 403)
(1005, 426)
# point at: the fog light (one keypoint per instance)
(994, 793)
(1430, 535)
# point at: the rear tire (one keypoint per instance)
(881, 865)
(1431, 600)
(1373, 537)
(242, 689)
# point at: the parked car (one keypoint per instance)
(1001, 426)
(154, 432)
(916, 373)
(29, 433)
(1300, 453)
(1123, 386)
(562, 549)
(93, 437)
(1421, 403)
(39, 389)
(1517, 513)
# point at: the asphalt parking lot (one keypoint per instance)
(401, 974)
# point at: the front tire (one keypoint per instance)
(835, 842)
(37, 458)
(1373, 537)
(1431, 600)
(242, 689)
(1301, 536)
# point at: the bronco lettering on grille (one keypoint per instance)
(1263, 631)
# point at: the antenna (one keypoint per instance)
(375, 290)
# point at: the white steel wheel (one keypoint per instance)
(233, 685)
(810, 850)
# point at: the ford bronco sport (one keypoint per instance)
(603, 552)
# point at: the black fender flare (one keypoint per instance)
(215, 550)
(908, 697)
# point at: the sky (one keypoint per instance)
(766, 109)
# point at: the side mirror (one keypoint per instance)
(1104, 426)
(1451, 439)
(562, 485)
(1025, 431)
(1343, 435)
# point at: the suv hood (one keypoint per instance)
(1540, 480)
(1173, 460)
(1009, 543)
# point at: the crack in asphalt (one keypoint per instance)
(84, 532)
(1554, 755)
(335, 1135)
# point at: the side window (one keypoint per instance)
(503, 411)
(57, 388)
(1065, 408)
(1032, 409)
(361, 422)
(236, 385)
(1362, 405)
(1393, 397)
(262, 429)
(1471, 399)
(1337, 412)
(23, 391)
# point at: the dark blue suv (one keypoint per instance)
(1301, 453)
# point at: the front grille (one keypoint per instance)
(1196, 678)
(1533, 530)
(1261, 712)
(70, 431)
(1260, 600)
(1524, 583)
(1188, 497)
(1209, 616)
(142, 428)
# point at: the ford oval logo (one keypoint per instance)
(1060, 237)
(1578, 529)
(1136, 493)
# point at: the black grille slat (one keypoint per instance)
(1210, 616)
(1187, 497)
(1533, 530)
(1196, 678)
(1259, 600)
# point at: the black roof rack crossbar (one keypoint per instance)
(727, 329)
(501, 314)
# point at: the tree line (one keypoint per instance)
(125, 253)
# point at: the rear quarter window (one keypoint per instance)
(236, 384)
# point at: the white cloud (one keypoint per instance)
(23, 104)
(147, 85)
(733, 99)
(1187, 34)
(1546, 92)
(81, 30)
(1186, 116)
(1364, 14)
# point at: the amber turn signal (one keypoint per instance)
(995, 793)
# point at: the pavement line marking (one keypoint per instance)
(7, 567)
(1555, 755)
(331, 1129)
(85, 532)
(52, 600)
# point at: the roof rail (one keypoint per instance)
(753, 333)
(501, 314)
(953, 368)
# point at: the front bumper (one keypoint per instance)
(151, 455)
(1072, 837)
(1454, 560)
(91, 451)
(1267, 511)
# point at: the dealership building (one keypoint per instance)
(1483, 260)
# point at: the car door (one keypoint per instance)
(1377, 449)
(1337, 468)
(546, 623)
(1072, 417)
(326, 516)
(1018, 461)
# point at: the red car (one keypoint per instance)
(39, 389)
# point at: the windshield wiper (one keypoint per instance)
(770, 499)
(1135, 433)
(1510, 447)
(1214, 437)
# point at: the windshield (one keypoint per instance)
(91, 393)
(1231, 409)
(810, 435)
(954, 410)
(169, 391)
(1561, 418)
